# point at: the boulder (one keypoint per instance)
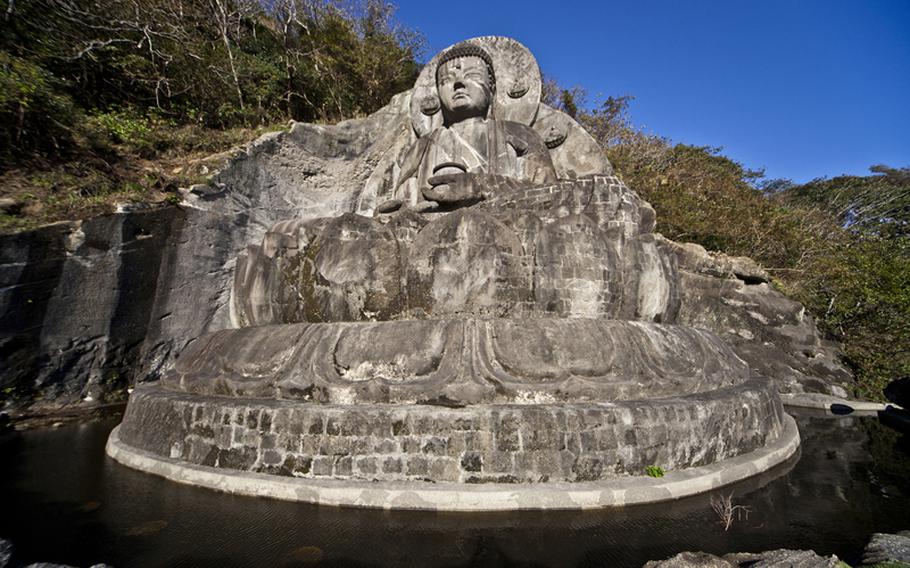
(691, 560)
(898, 392)
(770, 559)
(783, 558)
(884, 548)
(6, 553)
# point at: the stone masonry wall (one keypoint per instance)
(504, 443)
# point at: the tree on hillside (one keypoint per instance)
(878, 203)
(214, 62)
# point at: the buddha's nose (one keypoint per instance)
(458, 85)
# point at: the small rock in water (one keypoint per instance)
(90, 506)
(150, 527)
(884, 548)
(783, 558)
(898, 392)
(303, 555)
(691, 560)
(6, 552)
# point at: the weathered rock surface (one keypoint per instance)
(7, 559)
(515, 326)
(732, 297)
(580, 248)
(6, 552)
(463, 361)
(87, 308)
(783, 558)
(888, 548)
(481, 443)
(691, 560)
(771, 559)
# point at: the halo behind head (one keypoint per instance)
(512, 67)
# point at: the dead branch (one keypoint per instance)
(727, 511)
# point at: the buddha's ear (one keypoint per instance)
(519, 88)
(430, 105)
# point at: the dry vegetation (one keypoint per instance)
(117, 101)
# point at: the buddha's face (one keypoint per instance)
(464, 88)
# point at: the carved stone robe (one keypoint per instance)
(481, 146)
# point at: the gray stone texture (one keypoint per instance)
(733, 297)
(463, 361)
(884, 548)
(579, 248)
(89, 307)
(691, 560)
(6, 553)
(490, 324)
(771, 559)
(445, 496)
(501, 443)
(783, 558)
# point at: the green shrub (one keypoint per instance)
(654, 471)
(36, 117)
(121, 126)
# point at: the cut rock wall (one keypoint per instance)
(88, 308)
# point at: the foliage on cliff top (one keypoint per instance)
(841, 246)
(102, 101)
(877, 204)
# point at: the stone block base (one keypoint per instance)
(533, 443)
(621, 491)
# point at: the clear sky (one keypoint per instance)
(802, 88)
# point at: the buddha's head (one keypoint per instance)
(466, 83)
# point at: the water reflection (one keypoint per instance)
(66, 502)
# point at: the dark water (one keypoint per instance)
(62, 500)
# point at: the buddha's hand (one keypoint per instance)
(388, 206)
(454, 189)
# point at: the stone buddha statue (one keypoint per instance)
(494, 205)
(507, 318)
(472, 152)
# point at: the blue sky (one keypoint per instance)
(803, 89)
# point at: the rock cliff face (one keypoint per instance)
(87, 308)
(732, 297)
